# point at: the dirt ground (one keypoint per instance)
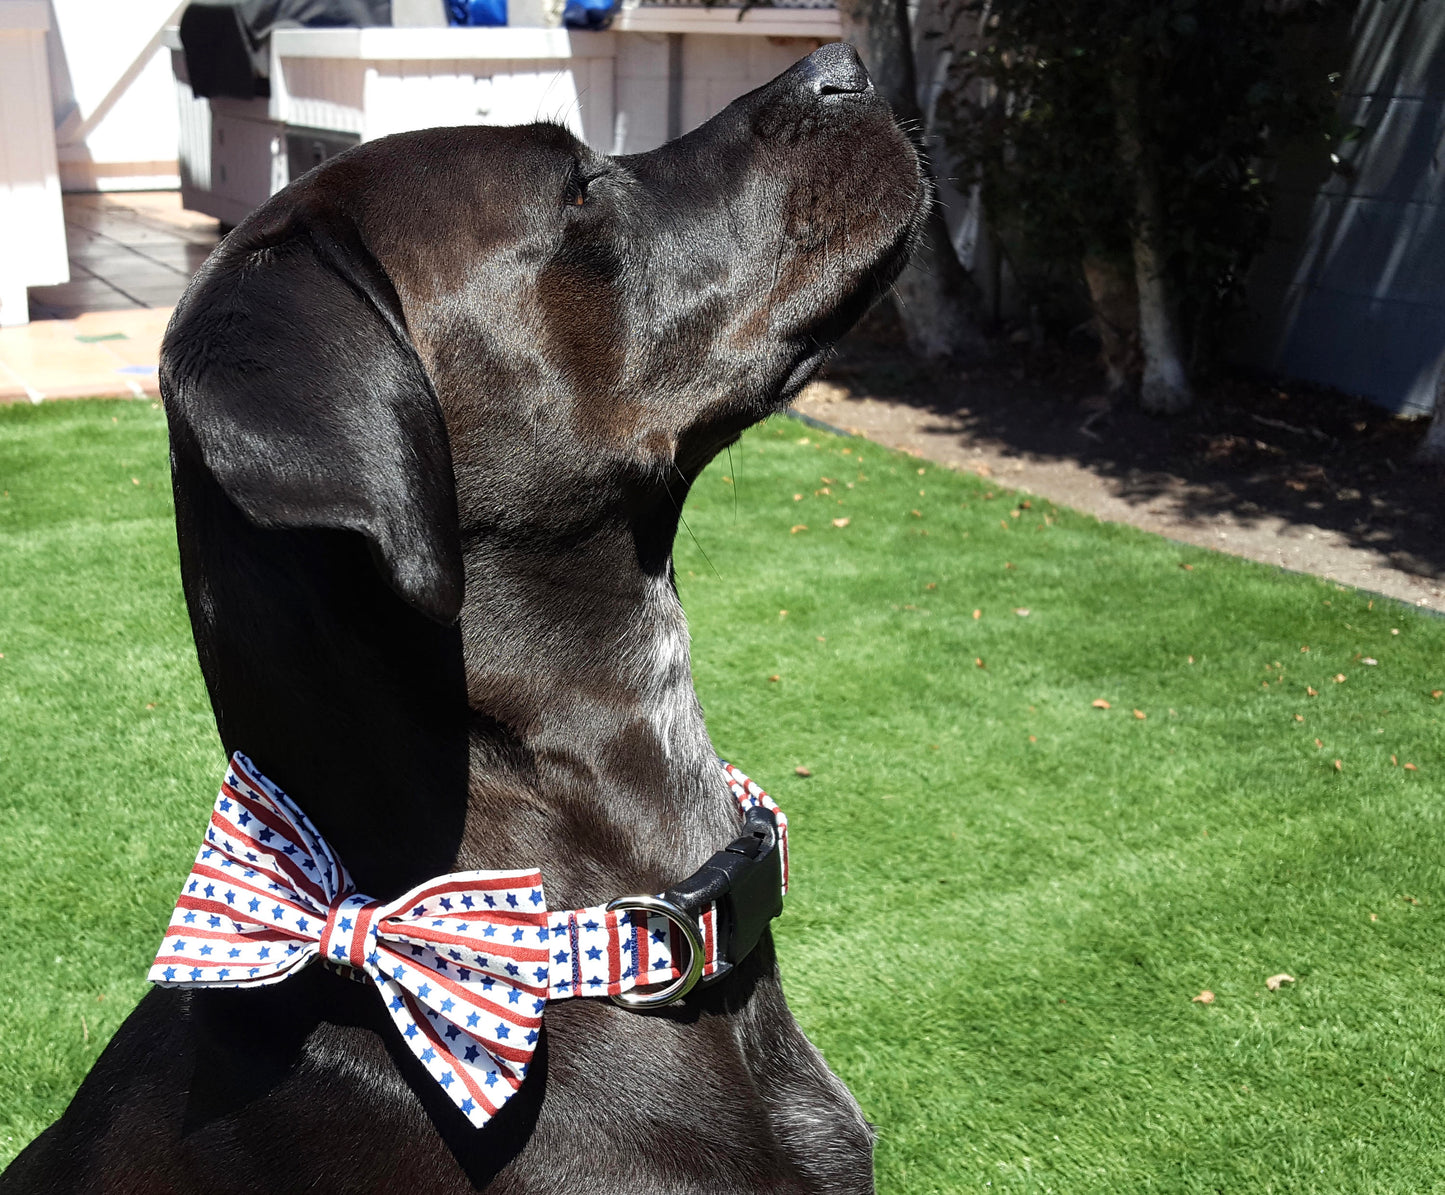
(1307, 479)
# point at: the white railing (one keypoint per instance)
(32, 222)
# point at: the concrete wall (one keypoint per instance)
(1351, 290)
(114, 99)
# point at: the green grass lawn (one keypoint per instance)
(1005, 896)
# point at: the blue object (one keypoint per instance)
(590, 14)
(477, 12)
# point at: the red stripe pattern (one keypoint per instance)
(465, 963)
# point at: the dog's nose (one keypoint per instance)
(836, 69)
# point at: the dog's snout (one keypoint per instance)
(836, 69)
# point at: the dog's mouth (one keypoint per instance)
(874, 284)
(845, 259)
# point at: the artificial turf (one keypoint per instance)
(1006, 896)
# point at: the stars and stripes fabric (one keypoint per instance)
(465, 963)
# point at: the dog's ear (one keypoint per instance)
(290, 369)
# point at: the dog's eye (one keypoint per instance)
(576, 192)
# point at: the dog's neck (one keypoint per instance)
(567, 655)
(557, 718)
(580, 685)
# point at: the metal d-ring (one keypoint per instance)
(685, 982)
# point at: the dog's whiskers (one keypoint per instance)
(682, 518)
(733, 473)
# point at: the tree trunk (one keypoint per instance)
(1164, 389)
(933, 294)
(1115, 299)
(1432, 447)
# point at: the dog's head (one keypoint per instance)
(503, 331)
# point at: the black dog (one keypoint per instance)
(434, 409)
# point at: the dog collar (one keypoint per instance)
(467, 962)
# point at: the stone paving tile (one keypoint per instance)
(102, 354)
(131, 257)
(127, 250)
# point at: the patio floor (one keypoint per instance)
(131, 255)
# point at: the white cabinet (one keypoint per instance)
(232, 154)
(372, 82)
(658, 72)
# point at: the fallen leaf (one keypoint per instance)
(1312, 691)
(917, 514)
(135, 481)
(977, 614)
(1319, 744)
(1188, 568)
(931, 585)
(1273, 982)
(1374, 917)
(797, 497)
(920, 473)
(1033, 738)
(805, 440)
(1003, 523)
(1436, 693)
(1140, 714)
(978, 662)
(1007, 564)
(827, 480)
(1409, 767)
(1013, 514)
(1299, 717)
(1339, 766)
(802, 771)
(1369, 660)
(1021, 611)
(1191, 659)
(1394, 630)
(782, 614)
(150, 705)
(822, 638)
(841, 522)
(1305, 647)
(824, 490)
(1394, 762)
(775, 678)
(1101, 704)
(797, 527)
(1339, 678)
(1204, 997)
(1410, 900)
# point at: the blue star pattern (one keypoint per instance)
(464, 964)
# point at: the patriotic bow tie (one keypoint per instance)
(465, 963)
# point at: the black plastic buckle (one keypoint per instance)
(745, 878)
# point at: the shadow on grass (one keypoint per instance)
(1249, 449)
